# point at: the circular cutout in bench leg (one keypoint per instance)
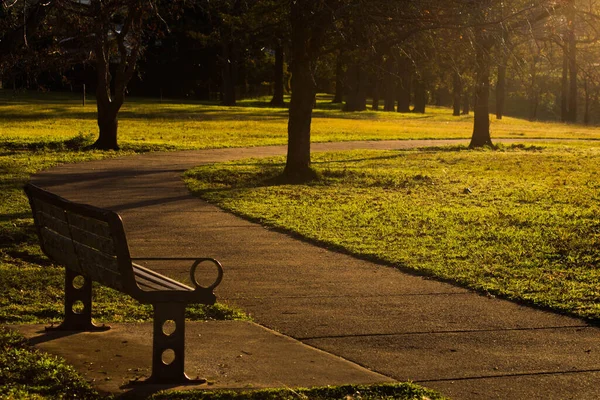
(168, 356)
(169, 327)
(78, 307)
(78, 282)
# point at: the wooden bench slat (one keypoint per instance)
(99, 266)
(60, 248)
(57, 225)
(149, 278)
(49, 209)
(102, 244)
(95, 226)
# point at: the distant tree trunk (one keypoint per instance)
(481, 125)
(339, 79)
(420, 96)
(501, 90)
(375, 103)
(389, 85)
(376, 81)
(534, 95)
(306, 40)
(564, 87)
(277, 100)
(586, 114)
(569, 86)
(466, 103)
(357, 82)
(457, 89)
(572, 116)
(228, 74)
(404, 86)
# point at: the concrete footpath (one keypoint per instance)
(400, 326)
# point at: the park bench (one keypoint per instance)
(90, 243)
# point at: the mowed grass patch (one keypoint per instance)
(521, 222)
(154, 125)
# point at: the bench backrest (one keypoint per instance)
(88, 240)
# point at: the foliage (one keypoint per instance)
(520, 222)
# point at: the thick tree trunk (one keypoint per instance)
(339, 79)
(457, 88)
(501, 90)
(305, 42)
(107, 139)
(389, 85)
(404, 87)
(228, 74)
(481, 125)
(277, 100)
(420, 96)
(357, 83)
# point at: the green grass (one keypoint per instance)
(29, 374)
(399, 391)
(148, 124)
(520, 222)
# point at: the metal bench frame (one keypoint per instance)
(90, 242)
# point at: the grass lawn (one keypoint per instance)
(522, 222)
(150, 125)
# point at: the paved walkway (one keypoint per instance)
(463, 344)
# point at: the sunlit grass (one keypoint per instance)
(187, 125)
(521, 222)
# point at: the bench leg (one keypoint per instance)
(78, 320)
(168, 348)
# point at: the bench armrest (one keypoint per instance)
(197, 262)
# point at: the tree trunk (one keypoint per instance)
(586, 114)
(457, 89)
(564, 87)
(277, 100)
(305, 42)
(404, 87)
(501, 90)
(534, 95)
(389, 85)
(357, 82)
(108, 125)
(339, 79)
(466, 103)
(376, 91)
(228, 74)
(572, 115)
(420, 96)
(481, 125)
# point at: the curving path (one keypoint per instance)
(409, 328)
